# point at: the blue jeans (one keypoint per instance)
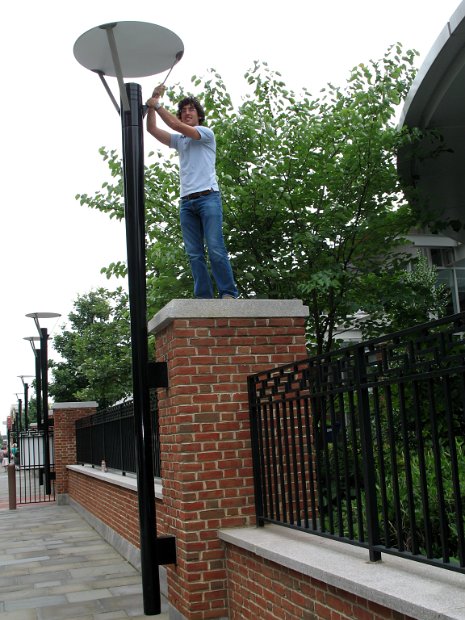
(202, 225)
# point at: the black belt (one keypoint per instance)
(197, 194)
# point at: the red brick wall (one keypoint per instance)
(65, 442)
(115, 506)
(262, 590)
(205, 442)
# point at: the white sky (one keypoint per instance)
(56, 114)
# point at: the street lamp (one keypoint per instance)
(137, 49)
(36, 351)
(43, 333)
(18, 423)
(26, 399)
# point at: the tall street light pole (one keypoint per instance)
(36, 351)
(43, 334)
(136, 49)
(20, 411)
(26, 399)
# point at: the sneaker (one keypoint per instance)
(228, 297)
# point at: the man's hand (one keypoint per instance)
(154, 100)
(159, 91)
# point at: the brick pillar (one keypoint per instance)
(64, 435)
(211, 347)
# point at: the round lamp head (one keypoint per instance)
(143, 49)
(43, 315)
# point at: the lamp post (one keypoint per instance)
(17, 428)
(26, 399)
(137, 49)
(43, 334)
(18, 424)
(36, 351)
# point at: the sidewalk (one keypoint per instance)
(54, 566)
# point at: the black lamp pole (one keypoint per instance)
(144, 48)
(26, 406)
(38, 389)
(26, 400)
(44, 375)
(37, 359)
(43, 364)
(133, 165)
(19, 414)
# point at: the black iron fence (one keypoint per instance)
(366, 444)
(109, 436)
(29, 460)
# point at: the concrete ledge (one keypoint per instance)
(408, 587)
(85, 405)
(227, 308)
(126, 482)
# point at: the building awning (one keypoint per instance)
(437, 101)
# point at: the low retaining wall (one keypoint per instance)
(260, 589)
(115, 506)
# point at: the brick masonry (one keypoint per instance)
(262, 590)
(64, 417)
(205, 442)
(115, 506)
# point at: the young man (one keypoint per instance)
(201, 212)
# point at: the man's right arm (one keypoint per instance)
(171, 120)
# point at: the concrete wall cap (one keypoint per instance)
(227, 308)
(84, 405)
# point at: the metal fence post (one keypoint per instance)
(12, 487)
(253, 411)
(366, 442)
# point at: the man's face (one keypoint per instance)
(189, 115)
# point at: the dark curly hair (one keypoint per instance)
(191, 101)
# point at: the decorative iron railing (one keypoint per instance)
(30, 467)
(108, 435)
(366, 444)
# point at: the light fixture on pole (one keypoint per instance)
(26, 399)
(43, 333)
(137, 49)
(36, 351)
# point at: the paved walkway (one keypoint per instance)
(54, 566)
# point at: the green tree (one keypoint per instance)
(95, 351)
(313, 208)
(422, 300)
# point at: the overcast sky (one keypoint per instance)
(56, 115)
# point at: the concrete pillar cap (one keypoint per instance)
(227, 308)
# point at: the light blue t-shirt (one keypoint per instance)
(197, 160)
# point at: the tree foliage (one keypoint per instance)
(422, 300)
(312, 203)
(95, 351)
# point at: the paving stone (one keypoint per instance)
(48, 584)
(70, 611)
(88, 595)
(23, 614)
(33, 602)
(112, 615)
(54, 566)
